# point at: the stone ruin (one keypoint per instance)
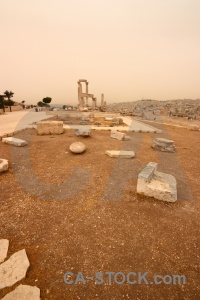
(164, 145)
(152, 183)
(13, 270)
(83, 98)
(3, 165)
(50, 127)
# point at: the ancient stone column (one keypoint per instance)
(87, 93)
(93, 103)
(102, 100)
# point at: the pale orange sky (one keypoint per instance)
(126, 49)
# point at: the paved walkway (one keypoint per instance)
(18, 120)
(132, 125)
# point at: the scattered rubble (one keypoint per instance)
(14, 269)
(164, 145)
(82, 132)
(14, 141)
(3, 165)
(152, 183)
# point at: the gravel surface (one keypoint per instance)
(81, 213)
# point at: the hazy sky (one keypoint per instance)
(126, 49)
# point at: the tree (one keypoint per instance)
(64, 106)
(8, 95)
(41, 104)
(2, 102)
(47, 100)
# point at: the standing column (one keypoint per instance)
(87, 93)
(102, 100)
(79, 93)
(93, 103)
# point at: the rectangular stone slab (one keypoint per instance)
(14, 141)
(120, 153)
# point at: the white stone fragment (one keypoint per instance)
(82, 132)
(14, 141)
(4, 244)
(77, 147)
(24, 292)
(14, 269)
(120, 153)
(155, 184)
(3, 165)
(117, 135)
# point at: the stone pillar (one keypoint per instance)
(79, 93)
(87, 93)
(102, 100)
(93, 103)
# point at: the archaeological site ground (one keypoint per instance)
(82, 213)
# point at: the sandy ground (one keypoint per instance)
(81, 213)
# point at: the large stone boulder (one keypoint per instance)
(82, 132)
(50, 127)
(14, 141)
(3, 165)
(77, 147)
(164, 145)
(152, 183)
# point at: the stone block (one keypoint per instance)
(14, 141)
(4, 244)
(152, 183)
(24, 292)
(117, 135)
(3, 165)
(50, 127)
(127, 138)
(82, 132)
(120, 153)
(193, 127)
(164, 145)
(14, 269)
(83, 122)
(68, 122)
(63, 117)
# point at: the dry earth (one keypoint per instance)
(81, 213)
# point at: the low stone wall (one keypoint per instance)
(50, 127)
